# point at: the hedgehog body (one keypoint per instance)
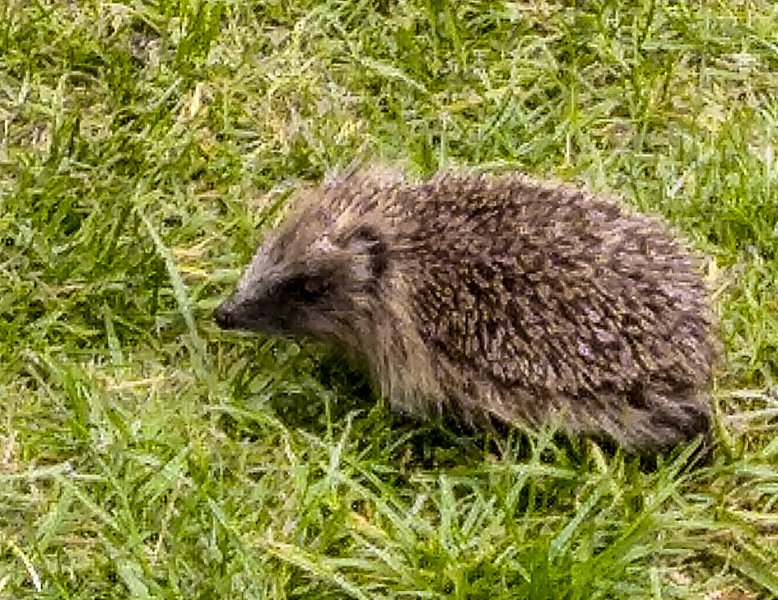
(495, 297)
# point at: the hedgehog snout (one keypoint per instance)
(254, 314)
(224, 316)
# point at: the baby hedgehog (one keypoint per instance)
(494, 296)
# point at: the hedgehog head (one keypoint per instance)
(314, 276)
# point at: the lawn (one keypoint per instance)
(146, 145)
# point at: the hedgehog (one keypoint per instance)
(496, 298)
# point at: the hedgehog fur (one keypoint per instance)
(495, 297)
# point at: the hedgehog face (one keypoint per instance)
(309, 284)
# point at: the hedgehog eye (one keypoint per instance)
(315, 286)
(306, 288)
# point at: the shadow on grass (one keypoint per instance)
(317, 391)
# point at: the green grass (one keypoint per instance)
(143, 146)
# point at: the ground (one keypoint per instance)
(145, 147)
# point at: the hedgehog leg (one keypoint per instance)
(664, 420)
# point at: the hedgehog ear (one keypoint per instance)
(367, 241)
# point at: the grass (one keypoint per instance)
(143, 146)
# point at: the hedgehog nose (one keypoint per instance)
(223, 317)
